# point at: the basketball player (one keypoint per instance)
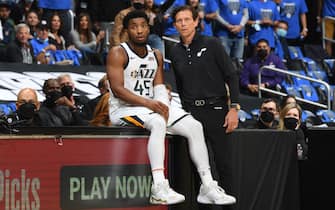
(139, 97)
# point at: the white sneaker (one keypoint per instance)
(161, 193)
(214, 194)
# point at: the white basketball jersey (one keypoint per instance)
(140, 72)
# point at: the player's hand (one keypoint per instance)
(231, 120)
(159, 108)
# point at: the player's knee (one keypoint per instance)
(157, 123)
(196, 125)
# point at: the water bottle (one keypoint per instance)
(300, 152)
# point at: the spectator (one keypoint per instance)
(56, 109)
(43, 50)
(294, 13)
(103, 13)
(207, 12)
(281, 45)
(268, 115)
(286, 100)
(101, 112)
(55, 37)
(27, 107)
(91, 105)
(169, 30)
(277, 4)
(65, 54)
(62, 7)
(290, 119)
(20, 50)
(327, 8)
(156, 23)
(86, 41)
(32, 21)
(67, 88)
(263, 16)
(262, 57)
(21, 8)
(119, 34)
(7, 31)
(232, 18)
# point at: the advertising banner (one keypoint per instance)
(45, 173)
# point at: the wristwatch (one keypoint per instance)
(235, 106)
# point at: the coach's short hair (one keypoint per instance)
(184, 8)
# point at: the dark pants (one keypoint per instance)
(212, 119)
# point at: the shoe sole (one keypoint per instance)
(155, 201)
(206, 201)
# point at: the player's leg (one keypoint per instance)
(210, 192)
(161, 193)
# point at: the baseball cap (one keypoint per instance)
(42, 25)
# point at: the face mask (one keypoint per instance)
(67, 91)
(26, 111)
(262, 53)
(267, 116)
(42, 40)
(290, 123)
(281, 32)
(51, 97)
(138, 5)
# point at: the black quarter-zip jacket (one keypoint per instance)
(202, 69)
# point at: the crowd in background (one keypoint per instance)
(98, 25)
(255, 32)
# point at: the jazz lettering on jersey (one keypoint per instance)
(143, 72)
(144, 76)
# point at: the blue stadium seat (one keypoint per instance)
(326, 116)
(290, 89)
(5, 109)
(312, 66)
(295, 52)
(329, 62)
(309, 93)
(306, 114)
(255, 113)
(8, 108)
(12, 106)
(243, 115)
(318, 74)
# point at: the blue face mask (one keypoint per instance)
(42, 40)
(281, 32)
